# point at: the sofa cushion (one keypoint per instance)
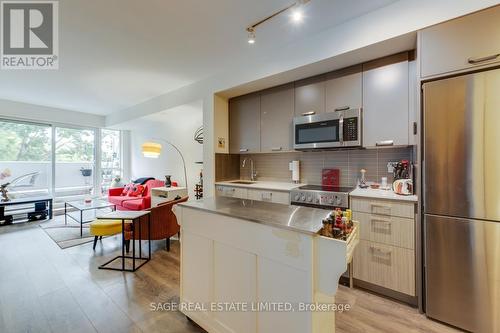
(134, 204)
(119, 200)
(136, 190)
(127, 189)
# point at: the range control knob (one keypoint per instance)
(303, 198)
(338, 200)
(309, 198)
(330, 200)
(296, 197)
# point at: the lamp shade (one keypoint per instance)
(151, 149)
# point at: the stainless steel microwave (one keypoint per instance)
(336, 129)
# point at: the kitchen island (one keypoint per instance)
(253, 266)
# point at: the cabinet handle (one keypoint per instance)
(277, 149)
(386, 224)
(380, 251)
(310, 113)
(474, 61)
(242, 150)
(342, 108)
(385, 143)
(386, 208)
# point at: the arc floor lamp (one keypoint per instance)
(152, 149)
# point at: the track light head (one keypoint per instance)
(251, 35)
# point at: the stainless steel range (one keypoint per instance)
(327, 197)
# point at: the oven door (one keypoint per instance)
(318, 131)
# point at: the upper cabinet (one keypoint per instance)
(472, 41)
(386, 101)
(244, 124)
(276, 116)
(344, 89)
(310, 96)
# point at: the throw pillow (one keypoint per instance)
(136, 190)
(127, 189)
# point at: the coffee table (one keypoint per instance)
(82, 206)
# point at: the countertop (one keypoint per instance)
(381, 194)
(295, 218)
(263, 185)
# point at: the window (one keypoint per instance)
(75, 162)
(66, 162)
(111, 165)
(25, 158)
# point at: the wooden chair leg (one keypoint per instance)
(179, 235)
(100, 237)
(95, 242)
(127, 245)
(168, 244)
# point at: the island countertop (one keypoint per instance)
(295, 218)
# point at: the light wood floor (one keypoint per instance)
(46, 289)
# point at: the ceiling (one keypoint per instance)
(115, 54)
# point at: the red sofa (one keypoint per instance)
(134, 203)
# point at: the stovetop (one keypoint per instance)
(340, 189)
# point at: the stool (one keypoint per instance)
(100, 228)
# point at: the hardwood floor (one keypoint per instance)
(46, 289)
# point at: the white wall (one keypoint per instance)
(176, 126)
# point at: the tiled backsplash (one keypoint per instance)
(350, 162)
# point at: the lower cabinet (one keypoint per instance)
(385, 256)
(253, 194)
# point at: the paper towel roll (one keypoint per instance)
(294, 167)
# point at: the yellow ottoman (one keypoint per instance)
(100, 228)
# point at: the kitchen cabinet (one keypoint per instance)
(244, 124)
(385, 256)
(344, 89)
(466, 43)
(386, 101)
(276, 117)
(310, 96)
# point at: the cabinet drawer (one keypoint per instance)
(389, 230)
(230, 191)
(383, 207)
(386, 266)
(271, 196)
(464, 43)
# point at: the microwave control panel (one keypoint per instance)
(351, 129)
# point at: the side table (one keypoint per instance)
(136, 217)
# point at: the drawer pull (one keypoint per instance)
(342, 108)
(375, 249)
(475, 61)
(243, 150)
(276, 149)
(384, 143)
(381, 225)
(376, 209)
(310, 113)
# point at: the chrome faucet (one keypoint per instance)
(253, 172)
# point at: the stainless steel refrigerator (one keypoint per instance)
(461, 178)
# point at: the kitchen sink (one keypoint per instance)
(242, 182)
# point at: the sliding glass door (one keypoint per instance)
(68, 163)
(25, 158)
(75, 161)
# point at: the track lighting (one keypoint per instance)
(297, 16)
(251, 35)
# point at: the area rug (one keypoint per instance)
(66, 235)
